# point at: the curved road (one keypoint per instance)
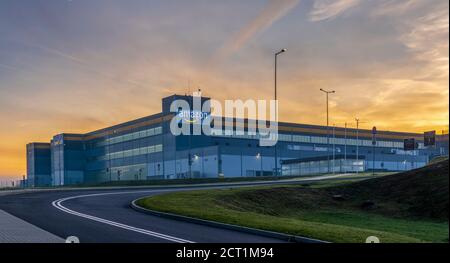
(106, 216)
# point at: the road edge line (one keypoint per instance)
(57, 204)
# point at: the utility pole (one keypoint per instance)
(345, 143)
(108, 153)
(344, 166)
(276, 111)
(191, 129)
(357, 144)
(374, 142)
(328, 133)
(334, 146)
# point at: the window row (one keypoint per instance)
(133, 152)
(312, 139)
(130, 136)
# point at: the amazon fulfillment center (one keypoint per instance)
(145, 149)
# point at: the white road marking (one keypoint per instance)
(58, 204)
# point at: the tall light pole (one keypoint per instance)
(328, 133)
(357, 143)
(345, 143)
(345, 149)
(374, 143)
(334, 145)
(276, 111)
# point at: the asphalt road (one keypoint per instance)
(105, 216)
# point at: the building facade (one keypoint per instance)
(38, 165)
(145, 149)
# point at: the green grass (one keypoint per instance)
(410, 207)
(335, 226)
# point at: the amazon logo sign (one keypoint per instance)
(192, 116)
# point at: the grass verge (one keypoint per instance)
(331, 210)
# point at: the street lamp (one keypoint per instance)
(258, 157)
(327, 92)
(345, 143)
(357, 144)
(334, 145)
(276, 113)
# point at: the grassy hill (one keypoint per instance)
(404, 207)
(421, 193)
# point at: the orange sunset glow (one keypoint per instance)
(77, 66)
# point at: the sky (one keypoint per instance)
(79, 65)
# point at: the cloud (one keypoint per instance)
(272, 12)
(427, 38)
(59, 53)
(394, 7)
(430, 113)
(86, 65)
(425, 34)
(8, 67)
(327, 9)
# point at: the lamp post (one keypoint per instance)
(374, 142)
(334, 145)
(258, 157)
(357, 144)
(345, 143)
(328, 133)
(276, 110)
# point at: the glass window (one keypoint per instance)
(158, 148)
(151, 149)
(143, 150)
(128, 137)
(127, 153)
(135, 135)
(117, 139)
(135, 152)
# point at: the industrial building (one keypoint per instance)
(145, 149)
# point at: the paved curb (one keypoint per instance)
(266, 233)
